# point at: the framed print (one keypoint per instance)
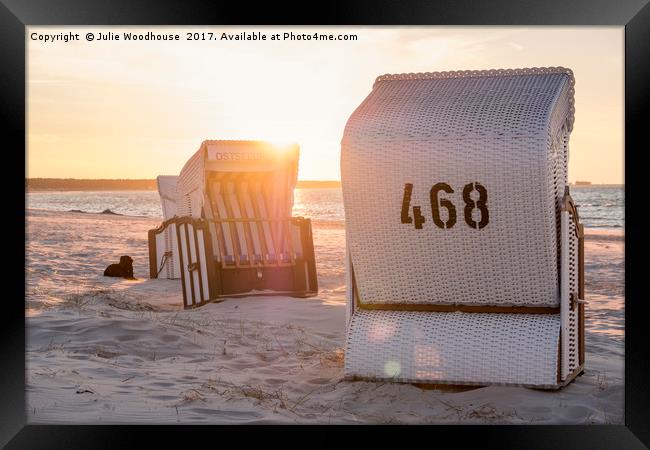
(380, 214)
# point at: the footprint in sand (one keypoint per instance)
(578, 412)
(161, 384)
(241, 415)
(163, 398)
(538, 409)
(275, 381)
(245, 365)
(319, 381)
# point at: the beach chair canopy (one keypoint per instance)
(482, 156)
(220, 170)
(453, 186)
(238, 184)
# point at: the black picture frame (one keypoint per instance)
(634, 15)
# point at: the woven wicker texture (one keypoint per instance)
(456, 348)
(167, 243)
(508, 131)
(168, 195)
(569, 314)
(190, 185)
(573, 314)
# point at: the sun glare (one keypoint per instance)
(282, 146)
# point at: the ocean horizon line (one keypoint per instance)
(130, 184)
(149, 184)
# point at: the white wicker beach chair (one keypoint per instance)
(464, 249)
(234, 228)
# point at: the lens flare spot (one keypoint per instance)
(392, 368)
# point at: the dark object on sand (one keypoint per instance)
(124, 269)
(108, 211)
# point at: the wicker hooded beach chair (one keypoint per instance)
(464, 248)
(234, 231)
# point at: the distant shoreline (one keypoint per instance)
(71, 184)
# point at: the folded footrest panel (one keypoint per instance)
(197, 267)
(453, 347)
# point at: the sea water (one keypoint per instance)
(598, 206)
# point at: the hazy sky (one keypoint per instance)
(123, 109)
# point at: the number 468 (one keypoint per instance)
(436, 203)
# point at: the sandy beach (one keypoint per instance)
(107, 350)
